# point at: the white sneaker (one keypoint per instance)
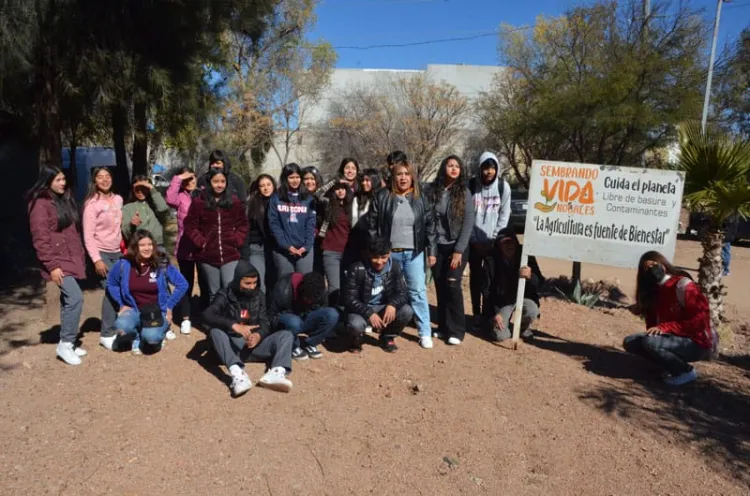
(425, 342)
(186, 327)
(454, 341)
(240, 384)
(66, 353)
(107, 342)
(437, 335)
(679, 380)
(136, 351)
(368, 330)
(80, 352)
(276, 380)
(171, 335)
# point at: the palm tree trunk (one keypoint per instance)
(709, 275)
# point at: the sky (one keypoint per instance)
(364, 23)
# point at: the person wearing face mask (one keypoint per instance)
(218, 161)
(503, 291)
(144, 210)
(241, 331)
(678, 321)
(491, 196)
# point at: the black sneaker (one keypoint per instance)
(389, 344)
(312, 352)
(299, 354)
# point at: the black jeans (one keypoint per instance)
(187, 269)
(450, 295)
(481, 269)
(667, 350)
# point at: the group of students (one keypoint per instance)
(281, 267)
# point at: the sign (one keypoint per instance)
(600, 214)
(606, 215)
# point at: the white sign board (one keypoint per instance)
(601, 214)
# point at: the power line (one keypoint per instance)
(428, 42)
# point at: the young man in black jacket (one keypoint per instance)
(298, 303)
(235, 184)
(504, 287)
(375, 295)
(240, 326)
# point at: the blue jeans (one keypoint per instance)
(413, 267)
(317, 325)
(726, 257)
(129, 322)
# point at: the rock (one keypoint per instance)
(452, 462)
(417, 388)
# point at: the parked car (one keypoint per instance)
(519, 205)
(699, 225)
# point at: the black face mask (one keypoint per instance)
(655, 274)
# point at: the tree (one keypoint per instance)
(425, 119)
(717, 183)
(274, 79)
(601, 84)
(733, 91)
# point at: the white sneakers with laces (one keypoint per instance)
(240, 381)
(425, 342)
(454, 341)
(107, 342)
(275, 379)
(66, 352)
(171, 336)
(186, 327)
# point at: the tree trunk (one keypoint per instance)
(50, 126)
(140, 141)
(72, 173)
(709, 275)
(119, 126)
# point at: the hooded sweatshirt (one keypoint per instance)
(292, 223)
(234, 183)
(150, 220)
(492, 210)
(376, 296)
(180, 199)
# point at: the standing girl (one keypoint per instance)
(54, 220)
(216, 224)
(102, 233)
(335, 234)
(144, 210)
(291, 219)
(405, 217)
(260, 248)
(348, 172)
(678, 322)
(312, 180)
(139, 283)
(179, 197)
(454, 221)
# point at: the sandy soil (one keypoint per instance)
(569, 413)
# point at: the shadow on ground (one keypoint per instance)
(710, 414)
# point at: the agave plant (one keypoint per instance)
(579, 297)
(717, 183)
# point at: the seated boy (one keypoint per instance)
(504, 287)
(298, 305)
(239, 326)
(374, 294)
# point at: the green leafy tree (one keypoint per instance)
(717, 183)
(601, 84)
(733, 92)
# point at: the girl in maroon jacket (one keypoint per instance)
(335, 234)
(54, 221)
(217, 225)
(677, 317)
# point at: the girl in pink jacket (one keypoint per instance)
(179, 197)
(102, 234)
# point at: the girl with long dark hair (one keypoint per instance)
(217, 225)
(348, 172)
(179, 197)
(102, 234)
(454, 221)
(291, 218)
(678, 322)
(405, 216)
(313, 181)
(55, 233)
(139, 283)
(260, 251)
(370, 182)
(145, 210)
(335, 234)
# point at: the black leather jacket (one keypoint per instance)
(226, 308)
(380, 220)
(357, 289)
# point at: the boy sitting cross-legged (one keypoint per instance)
(240, 329)
(375, 295)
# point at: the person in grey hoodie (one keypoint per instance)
(491, 197)
(454, 219)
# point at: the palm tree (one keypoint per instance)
(717, 183)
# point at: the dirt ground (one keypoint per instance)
(569, 413)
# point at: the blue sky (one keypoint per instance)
(376, 22)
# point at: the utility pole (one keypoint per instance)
(707, 98)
